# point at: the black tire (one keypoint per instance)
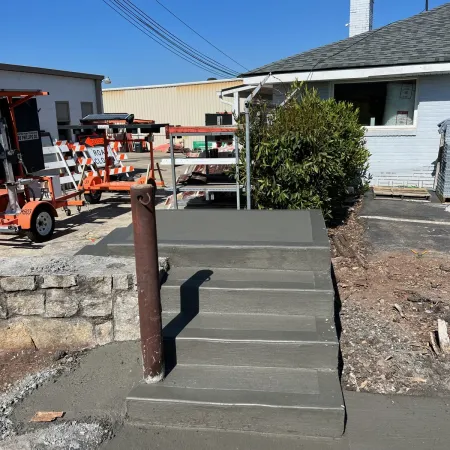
(93, 197)
(42, 225)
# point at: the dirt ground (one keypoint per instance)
(391, 302)
(16, 365)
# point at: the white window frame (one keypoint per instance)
(385, 80)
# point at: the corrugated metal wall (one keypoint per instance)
(177, 105)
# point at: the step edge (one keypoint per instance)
(246, 245)
(229, 404)
(263, 341)
(312, 438)
(174, 285)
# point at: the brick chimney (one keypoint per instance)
(361, 16)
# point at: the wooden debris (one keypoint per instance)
(433, 343)
(444, 341)
(363, 384)
(47, 416)
(398, 308)
(384, 192)
(418, 380)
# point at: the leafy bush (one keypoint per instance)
(306, 153)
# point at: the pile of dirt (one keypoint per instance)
(391, 302)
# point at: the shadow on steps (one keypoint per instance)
(189, 308)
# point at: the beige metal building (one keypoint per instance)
(177, 104)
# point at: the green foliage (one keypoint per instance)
(306, 153)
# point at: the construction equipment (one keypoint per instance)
(97, 130)
(28, 203)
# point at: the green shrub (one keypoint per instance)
(306, 153)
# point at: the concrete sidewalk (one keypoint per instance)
(97, 390)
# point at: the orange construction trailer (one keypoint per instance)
(96, 129)
(28, 204)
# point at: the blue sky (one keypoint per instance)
(87, 36)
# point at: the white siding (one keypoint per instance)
(175, 104)
(407, 159)
(72, 90)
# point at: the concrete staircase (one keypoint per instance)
(249, 330)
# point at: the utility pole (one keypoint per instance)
(426, 5)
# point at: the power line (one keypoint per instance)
(166, 39)
(172, 36)
(172, 42)
(139, 27)
(199, 35)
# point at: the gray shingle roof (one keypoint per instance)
(424, 38)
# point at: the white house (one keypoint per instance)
(72, 95)
(399, 77)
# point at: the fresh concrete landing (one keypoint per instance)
(291, 240)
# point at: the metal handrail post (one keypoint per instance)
(148, 284)
(174, 174)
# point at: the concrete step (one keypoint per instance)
(252, 255)
(285, 240)
(248, 291)
(257, 399)
(251, 340)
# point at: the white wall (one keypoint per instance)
(73, 90)
(406, 156)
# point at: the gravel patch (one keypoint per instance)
(64, 436)
(17, 393)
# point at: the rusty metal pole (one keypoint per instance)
(148, 284)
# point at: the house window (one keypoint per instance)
(390, 103)
(63, 118)
(87, 108)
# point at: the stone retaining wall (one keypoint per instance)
(67, 311)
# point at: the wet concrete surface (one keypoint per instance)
(98, 387)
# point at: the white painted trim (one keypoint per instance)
(228, 92)
(154, 86)
(353, 74)
(394, 219)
